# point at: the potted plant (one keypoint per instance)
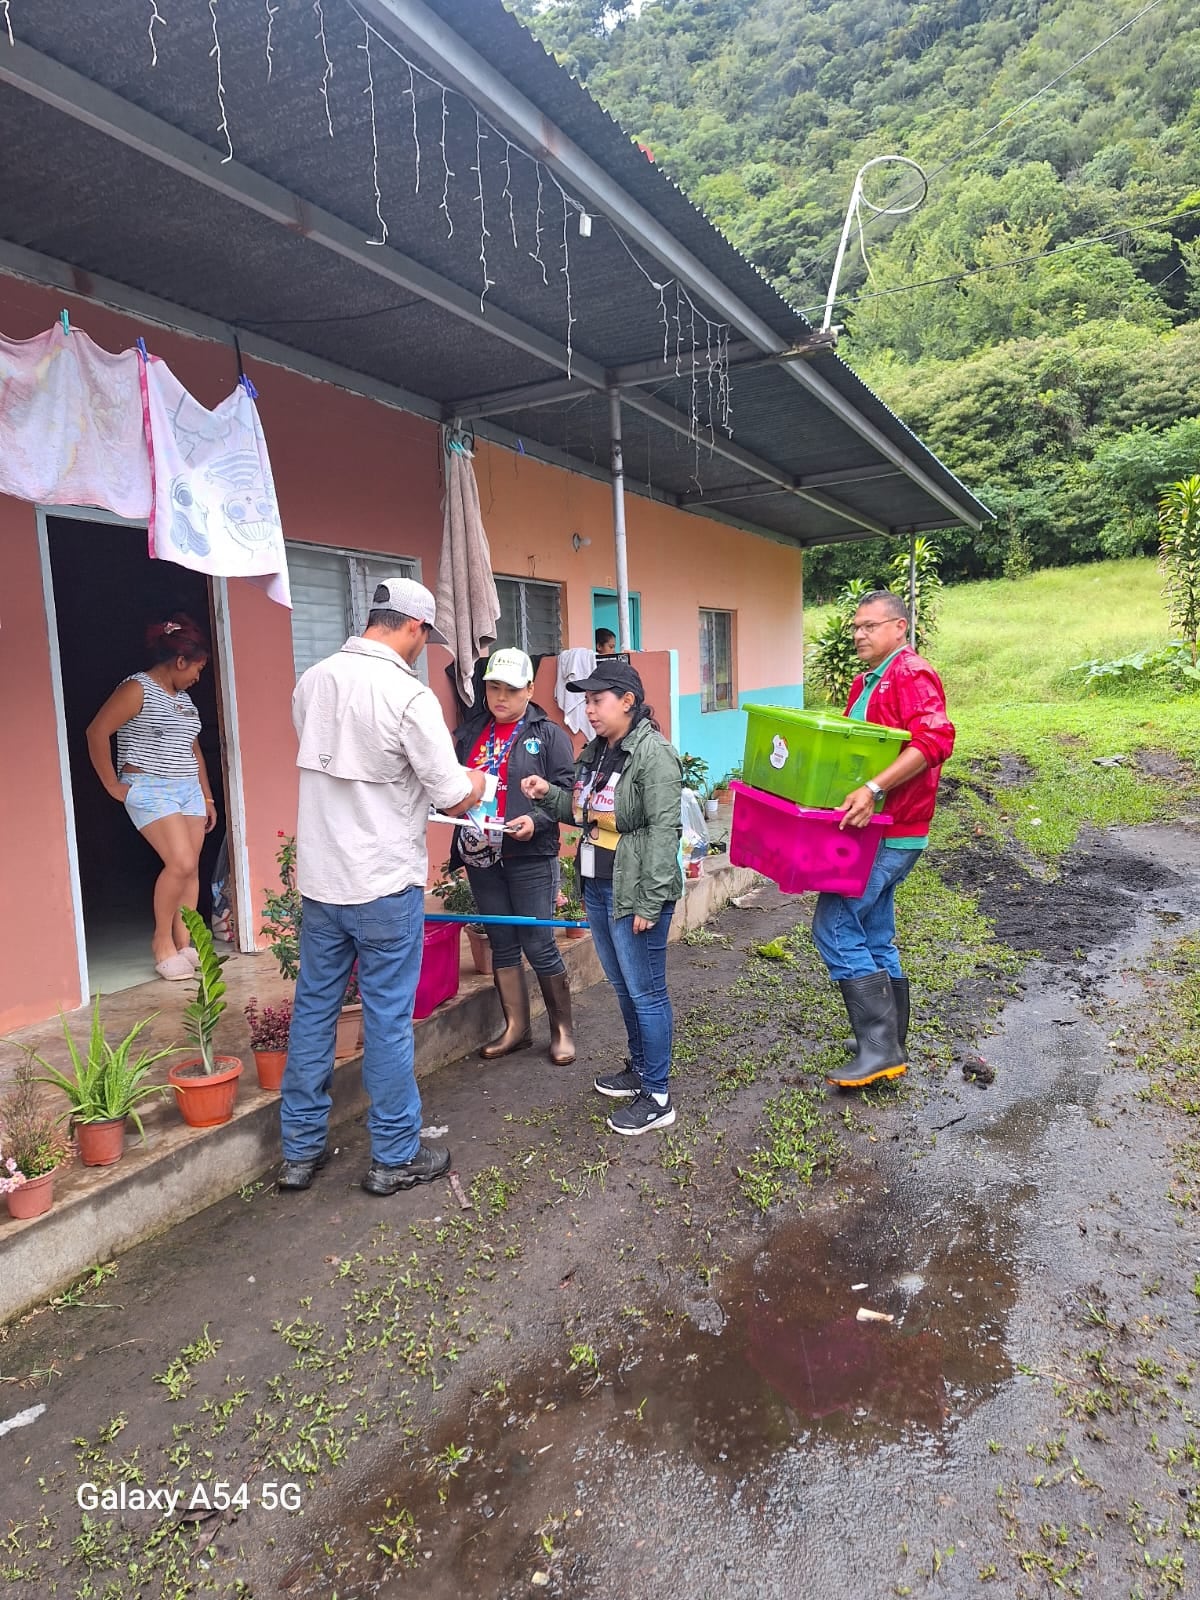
(206, 1084)
(570, 906)
(106, 1085)
(269, 1027)
(32, 1146)
(453, 890)
(283, 910)
(695, 775)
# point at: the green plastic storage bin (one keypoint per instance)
(814, 758)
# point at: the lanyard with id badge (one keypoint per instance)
(480, 845)
(602, 780)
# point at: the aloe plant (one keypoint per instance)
(201, 1016)
(106, 1081)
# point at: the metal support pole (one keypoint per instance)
(912, 590)
(618, 493)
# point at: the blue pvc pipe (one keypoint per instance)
(521, 922)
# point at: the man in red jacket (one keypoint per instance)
(857, 938)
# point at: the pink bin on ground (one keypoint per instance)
(440, 962)
(801, 849)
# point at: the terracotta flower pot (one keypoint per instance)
(481, 949)
(101, 1143)
(205, 1100)
(577, 933)
(349, 1032)
(31, 1198)
(269, 1065)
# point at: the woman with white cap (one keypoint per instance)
(512, 874)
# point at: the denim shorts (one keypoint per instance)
(150, 798)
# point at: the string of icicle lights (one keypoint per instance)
(693, 346)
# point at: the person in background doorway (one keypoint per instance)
(512, 874)
(606, 642)
(857, 937)
(626, 802)
(374, 752)
(160, 777)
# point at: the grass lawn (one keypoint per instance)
(1001, 642)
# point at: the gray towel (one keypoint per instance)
(468, 608)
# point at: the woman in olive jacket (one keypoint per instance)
(626, 802)
(514, 874)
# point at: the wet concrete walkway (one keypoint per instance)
(644, 1391)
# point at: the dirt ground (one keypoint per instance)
(636, 1367)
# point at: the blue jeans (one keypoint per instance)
(636, 966)
(387, 937)
(858, 937)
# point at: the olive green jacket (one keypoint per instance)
(646, 873)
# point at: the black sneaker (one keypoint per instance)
(641, 1115)
(625, 1085)
(300, 1174)
(424, 1167)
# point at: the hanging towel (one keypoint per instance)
(214, 496)
(71, 424)
(572, 665)
(468, 607)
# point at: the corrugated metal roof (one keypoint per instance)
(81, 196)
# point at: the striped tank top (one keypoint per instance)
(159, 739)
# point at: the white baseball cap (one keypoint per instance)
(510, 666)
(410, 599)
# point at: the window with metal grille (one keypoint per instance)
(331, 596)
(717, 691)
(530, 616)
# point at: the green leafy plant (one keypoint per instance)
(1179, 557)
(695, 774)
(570, 906)
(107, 1081)
(282, 912)
(830, 660)
(201, 1016)
(453, 890)
(928, 586)
(32, 1142)
(1168, 671)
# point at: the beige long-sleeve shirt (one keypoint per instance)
(374, 752)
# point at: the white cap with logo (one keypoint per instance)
(410, 599)
(509, 666)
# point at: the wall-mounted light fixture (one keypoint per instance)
(579, 542)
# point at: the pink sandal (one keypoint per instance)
(175, 969)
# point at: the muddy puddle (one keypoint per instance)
(768, 1359)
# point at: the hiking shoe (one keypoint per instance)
(641, 1115)
(424, 1167)
(300, 1174)
(625, 1085)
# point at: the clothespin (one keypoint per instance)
(142, 351)
(243, 380)
(64, 316)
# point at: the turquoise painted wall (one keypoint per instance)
(720, 736)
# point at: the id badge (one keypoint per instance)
(587, 859)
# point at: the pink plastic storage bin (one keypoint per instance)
(798, 848)
(440, 961)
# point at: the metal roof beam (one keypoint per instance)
(420, 29)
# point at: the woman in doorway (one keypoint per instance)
(512, 874)
(160, 776)
(626, 802)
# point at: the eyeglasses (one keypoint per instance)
(869, 627)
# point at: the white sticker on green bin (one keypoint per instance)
(814, 758)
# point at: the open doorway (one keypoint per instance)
(605, 615)
(106, 592)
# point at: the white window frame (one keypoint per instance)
(528, 583)
(708, 689)
(358, 565)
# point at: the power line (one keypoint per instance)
(1008, 117)
(1013, 261)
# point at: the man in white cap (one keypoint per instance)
(374, 752)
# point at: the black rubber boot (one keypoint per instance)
(514, 1002)
(871, 1007)
(900, 996)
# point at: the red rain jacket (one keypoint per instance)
(910, 695)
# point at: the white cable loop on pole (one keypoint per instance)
(857, 198)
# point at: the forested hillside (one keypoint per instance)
(1037, 320)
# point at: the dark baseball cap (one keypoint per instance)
(612, 674)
